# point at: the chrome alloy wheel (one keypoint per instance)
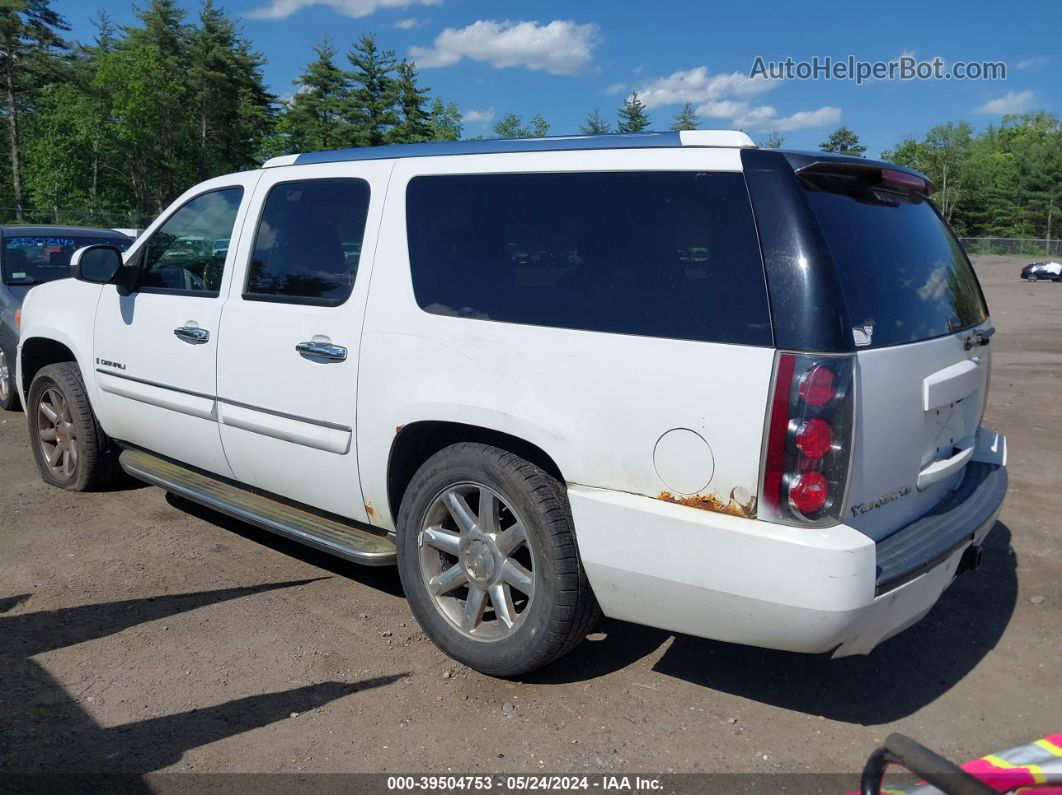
(476, 562)
(5, 376)
(56, 434)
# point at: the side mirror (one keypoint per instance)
(98, 264)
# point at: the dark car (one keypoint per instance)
(1035, 271)
(31, 255)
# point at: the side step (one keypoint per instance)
(358, 543)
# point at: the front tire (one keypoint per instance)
(71, 450)
(9, 400)
(488, 561)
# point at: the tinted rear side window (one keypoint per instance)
(904, 275)
(661, 254)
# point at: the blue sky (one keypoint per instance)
(563, 59)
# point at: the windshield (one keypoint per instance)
(904, 275)
(33, 259)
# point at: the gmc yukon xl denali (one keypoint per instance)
(667, 377)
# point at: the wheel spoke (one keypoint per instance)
(488, 511)
(473, 614)
(64, 410)
(51, 454)
(510, 540)
(459, 510)
(502, 600)
(518, 577)
(47, 434)
(442, 540)
(68, 467)
(48, 411)
(452, 578)
(71, 452)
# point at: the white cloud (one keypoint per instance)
(616, 88)
(764, 118)
(282, 9)
(1033, 63)
(1011, 102)
(722, 109)
(472, 116)
(411, 23)
(697, 85)
(560, 47)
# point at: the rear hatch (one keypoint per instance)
(920, 328)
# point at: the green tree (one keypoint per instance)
(415, 121)
(445, 121)
(774, 140)
(233, 108)
(685, 119)
(632, 115)
(512, 126)
(29, 47)
(595, 124)
(315, 117)
(844, 142)
(375, 91)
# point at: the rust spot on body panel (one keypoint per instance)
(369, 509)
(709, 502)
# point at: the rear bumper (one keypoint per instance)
(745, 581)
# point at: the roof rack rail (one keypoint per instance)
(555, 143)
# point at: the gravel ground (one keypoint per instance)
(141, 633)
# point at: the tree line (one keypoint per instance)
(117, 128)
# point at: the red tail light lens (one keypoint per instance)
(808, 439)
(808, 492)
(818, 385)
(814, 438)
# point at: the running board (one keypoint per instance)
(357, 543)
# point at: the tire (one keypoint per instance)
(85, 459)
(519, 631)
(9, 399)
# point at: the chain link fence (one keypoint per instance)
(1013, 246)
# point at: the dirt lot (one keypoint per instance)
(140, 633)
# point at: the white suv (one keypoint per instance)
(670, 377)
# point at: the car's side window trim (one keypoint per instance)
(136, 264)
(297, 300)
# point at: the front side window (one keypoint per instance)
(187, 253)
(308, 244)
(652, 253)
(35, 259)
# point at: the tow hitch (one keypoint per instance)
(971, 559)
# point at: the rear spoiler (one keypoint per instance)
(850, 175)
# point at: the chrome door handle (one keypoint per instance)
(192, 334)
(322, 350)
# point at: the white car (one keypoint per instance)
(776, 441)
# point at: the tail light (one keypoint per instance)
(808, 439)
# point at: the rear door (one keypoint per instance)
(288, 358)
(914, 304)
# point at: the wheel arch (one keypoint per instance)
(37, 352)
(416, 442)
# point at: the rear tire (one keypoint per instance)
(489, 563)
(71, 450)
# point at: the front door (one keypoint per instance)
(288, 356)
(155, 348)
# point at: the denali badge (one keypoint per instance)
(885, 499)
(109, 363)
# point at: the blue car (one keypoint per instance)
(31, 255)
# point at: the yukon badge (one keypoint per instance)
(884, 499)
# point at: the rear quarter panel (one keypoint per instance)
(596, 403)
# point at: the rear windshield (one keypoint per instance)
(904, 275)
(33, 259)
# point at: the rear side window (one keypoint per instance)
(904, 276)
(661, 254)
(308, 245)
